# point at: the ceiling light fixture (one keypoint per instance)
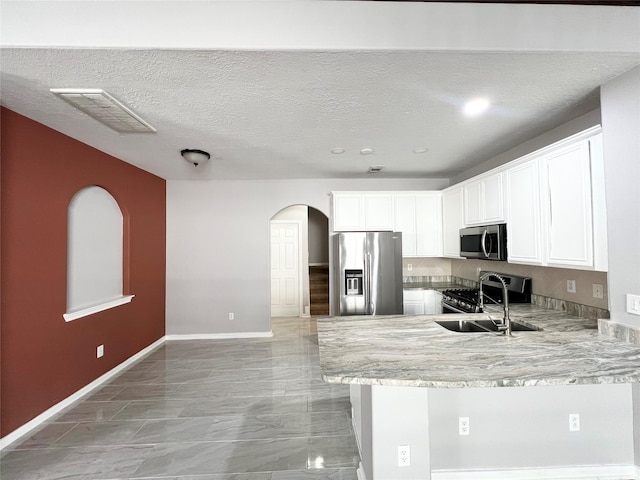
(366, 151)
(419, 150)
(195, 156)
(476, 107)
(375, 168)
(105, 108)
(338, 151)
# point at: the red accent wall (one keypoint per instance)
(43, 358)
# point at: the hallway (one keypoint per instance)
(249, 409)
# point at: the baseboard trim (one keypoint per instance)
(58, 407)
(609, 472)
(218, 336)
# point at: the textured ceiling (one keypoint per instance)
(278, 114)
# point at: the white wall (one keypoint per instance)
(621, 141)
(218, 246)
(318, 237)
(563, 131)
(528, 427)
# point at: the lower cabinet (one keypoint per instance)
(422, 302)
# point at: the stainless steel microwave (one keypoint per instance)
(488, 242)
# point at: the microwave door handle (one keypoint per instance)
(483, 243)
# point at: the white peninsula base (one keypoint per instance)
(514, 433)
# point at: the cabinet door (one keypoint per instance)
(473, 203)
(568, 206)
(429, 225)
(484, 200)
(348, 212)
(413, 302)
(493, 199)
(405, 221)
(378, 212)
(523, 207)
(452, 222)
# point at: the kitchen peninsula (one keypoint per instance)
(387, 359)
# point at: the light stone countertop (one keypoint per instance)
(415, 351)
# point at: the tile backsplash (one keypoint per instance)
(545, 281)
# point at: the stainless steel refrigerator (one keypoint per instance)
(367, 273)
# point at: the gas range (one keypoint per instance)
(465, 300)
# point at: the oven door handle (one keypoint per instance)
(451, 307)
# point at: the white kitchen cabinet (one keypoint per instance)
(452, 221)
(522, 195)
(405, 222)
(429, 225)
(413, 302)
(484, 200)
(568, 208)
(556, 213)
(419, 217)
(422, 302)
(356, 211)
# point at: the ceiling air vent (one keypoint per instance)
(375, 168)
(105, 108)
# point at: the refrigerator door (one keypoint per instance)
(383, 273)
(349, 273)
(368, 273)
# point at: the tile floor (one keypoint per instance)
(251, 409)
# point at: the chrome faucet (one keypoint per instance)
(506, 321)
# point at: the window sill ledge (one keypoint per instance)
(68, 317)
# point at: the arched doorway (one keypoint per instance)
(299, 248)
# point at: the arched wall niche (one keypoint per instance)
(97, 253)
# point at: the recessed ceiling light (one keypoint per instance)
(338, 151)
(375, 168)
(366, 151)
(476, 107)
(105, 108)
(419, 150)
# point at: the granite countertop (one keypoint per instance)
(415, 351)
(431, 285)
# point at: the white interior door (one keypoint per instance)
(285, 269)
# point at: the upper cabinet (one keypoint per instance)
(484, 200)
(356, 211)
(552, 201)
(452, 220)
(556, 205)
(418, 215)
(522, 192)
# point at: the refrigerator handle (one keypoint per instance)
(367, 286)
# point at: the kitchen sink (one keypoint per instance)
(481, 326)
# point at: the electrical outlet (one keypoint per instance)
(598, 291)
(231, 316)
(574, 422)
(404, 456)
(100, 351)
(633, 304)
(463, 426)
(409, 267)
(571, 286)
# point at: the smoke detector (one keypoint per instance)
(105, 108)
